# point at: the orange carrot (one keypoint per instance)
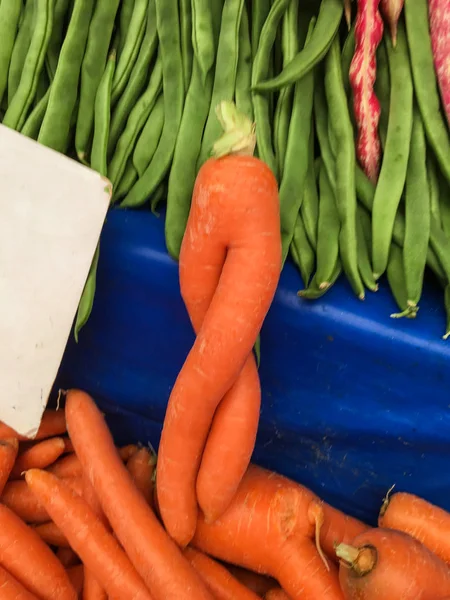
(219, 580)
(232, 235)
(92, 587)
(53, 423)
(52, 535)
(87, 535)
(30, 560)
(155, 556)
(269, 528)
(39, 456)
(20, 499)
(76, 576)
(68, 445)
(260, 584)
(338, 527)
(68, 466)
(382, 563)
(126, 452)
(8, 454)
(67, 557)
(276, 594)
(422, 520)
(141, 467)
(11, 589)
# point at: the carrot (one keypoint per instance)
(53, 423)
(11, 589)
(440, 42)
(126, 452)
(255, 582)
(420, 519)
(223, 242)
(218, 579)
(383, 563)
(88, 537)
(392, 10)
(67, 557)
(70, 466)
(276, 594)
(269, 528)
(52, 535)
(21, 500)
(76, 576)
(68, 445)
(8, 454)
(92, 589)
(39, 456)
(30, 560)
(338, 527)
(141, 467)
(155, 556)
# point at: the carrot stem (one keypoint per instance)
(361, 560)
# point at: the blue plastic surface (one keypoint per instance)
(353, 401)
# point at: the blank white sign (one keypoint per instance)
(52, 211)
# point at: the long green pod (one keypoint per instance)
(348, 50)
(169, 44)
(328, 231)
(392, 176)
(127, 181)
(364, 262)
(433, 187)
(92, 70)
(87, 297)
(9, 22)
(56, 39)
(186, 40)
(326, 29)
(125, 16)
(396, 278)
(17, 111)
(20, 49)
(259, 14)
(203, 34)
(301, 251)
(102, 118)
(382, 89)
(314, 291)
(244, 69)
(34, 120)
(345, 192)
(310, 204)
(322, 129)
(138, 79)
(149, 138)
(425, 83)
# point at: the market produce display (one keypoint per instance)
(94, 530)
(350, 101)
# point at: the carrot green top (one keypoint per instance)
(239, 135)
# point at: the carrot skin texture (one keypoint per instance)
(220, 581)
(337, 528)
(19, 546)
(39, 456)
(147, 544)
(8, 454)
(440, 41)
(405, 569)
(53, 423)
(260, 584)
(70, 465)
(52, 535)
(76, 576)
(234, 227)
(420, 519)
(141, 467)
(276, 594)
(11, 589)
(88, 537)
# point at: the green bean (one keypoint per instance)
(345, 192)
(138, 79)
(57, 36)
(433, 187)
(290, 45)
(260, 69)
(441, 246)
(17, 111)
(314, 291)
(425, 84)
(102, 117)
(127, 181)
(87, 297)
(260, 12)
(447, 310)
(396, 278)
(167, 23)
(92, 70)
(156, 197)
(321, 122)
(395, 160)
(225, 73)
(301, 251)
(203, 34)
(55, 128)
(9, 23)
(149, 138)
(326, 29)
(417, 213)
(364, 264)
(42, 87)
(125, 16)
(348, 50)
(34, 120)
(444, 204)
(328, 232)
(130, 50)
(135, 123)
(20, 49)
(297, 156)
(310, 203)
(186, 40)
(383, 91)
(244, 69)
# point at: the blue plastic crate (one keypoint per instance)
(353, 401)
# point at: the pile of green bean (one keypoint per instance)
(129, 87)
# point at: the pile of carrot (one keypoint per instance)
(80, 518)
